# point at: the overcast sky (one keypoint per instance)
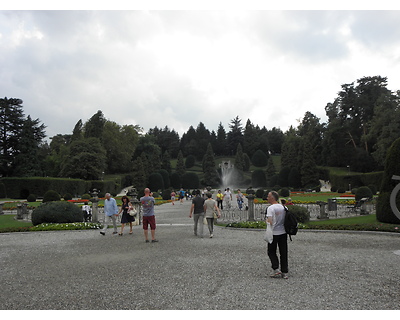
(179, 68)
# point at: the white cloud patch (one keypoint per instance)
(179, 68)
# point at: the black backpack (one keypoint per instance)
(291, 224)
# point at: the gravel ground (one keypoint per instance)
(84, 270)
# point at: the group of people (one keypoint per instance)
(227, 198)
(111, 213)
(205, 209)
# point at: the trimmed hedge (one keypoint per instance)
(20, 188)
(57, 212)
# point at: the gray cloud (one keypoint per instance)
(177, 68)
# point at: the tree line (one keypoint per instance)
(362, 122)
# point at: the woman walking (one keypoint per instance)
(126, 217)
(210, 208)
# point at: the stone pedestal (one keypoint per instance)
(322, 212)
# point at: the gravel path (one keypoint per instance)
(84, 270)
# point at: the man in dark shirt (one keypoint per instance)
(197, 209)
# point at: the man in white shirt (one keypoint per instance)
(276, 217)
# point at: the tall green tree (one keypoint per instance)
(86, 160)
(235, 135)
(210, 176)
(95, 125)
(180, 164)
(221, 142)
(27, 162)
(11, 122)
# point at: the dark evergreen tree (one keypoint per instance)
(210, 174)
(27, 162)
(166, 162)
(221, 143)
(309, 172)
(11, 122)
(235, 135)
(239, 158)
(180, 165)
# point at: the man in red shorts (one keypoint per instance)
(148, 215)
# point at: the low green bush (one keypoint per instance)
(51, 195)
(67, 196)
(363, 192)
(284, 192)
(302, 214)
(31, 198)
(86, 196)
(56, 212)
(260, 193)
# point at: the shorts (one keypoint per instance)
(149, 220)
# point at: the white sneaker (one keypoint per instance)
(211, 235)
(285, 276)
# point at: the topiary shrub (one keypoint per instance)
(284, 192)
(190, 161)
(334, 188)
(260, 193)
(341, 190)
(258, 178)
(363, 192)
(67, 196)
(354, 190)
(166, 194)
(57, 212)
(51, 195)
(302, 213)
(373, 189)
(86, 196)
(31, 198)
(190, 180)
(259, 159)
(384, 212)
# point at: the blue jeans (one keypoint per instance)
(281, 242)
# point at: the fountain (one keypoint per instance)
(227, 173)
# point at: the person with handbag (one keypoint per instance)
(127, 214)
(210, 210)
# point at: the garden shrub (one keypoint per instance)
(2, 191)
(51, 195)
(363, 192)
(165, 175)
(31, 198)
(176, 180)
(259, 159)
(166, 194)
(260, 193)
(384, 211)
(190, 161)
(57, 212)
(86, 196)
(354, 190)
(373, 189)
(334, 188)
(190, 180)
(302, 213)
(284, 192)
(341, 190)
(258, 178)
(67, 196)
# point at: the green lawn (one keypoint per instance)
(8, 221)
(367, 219)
